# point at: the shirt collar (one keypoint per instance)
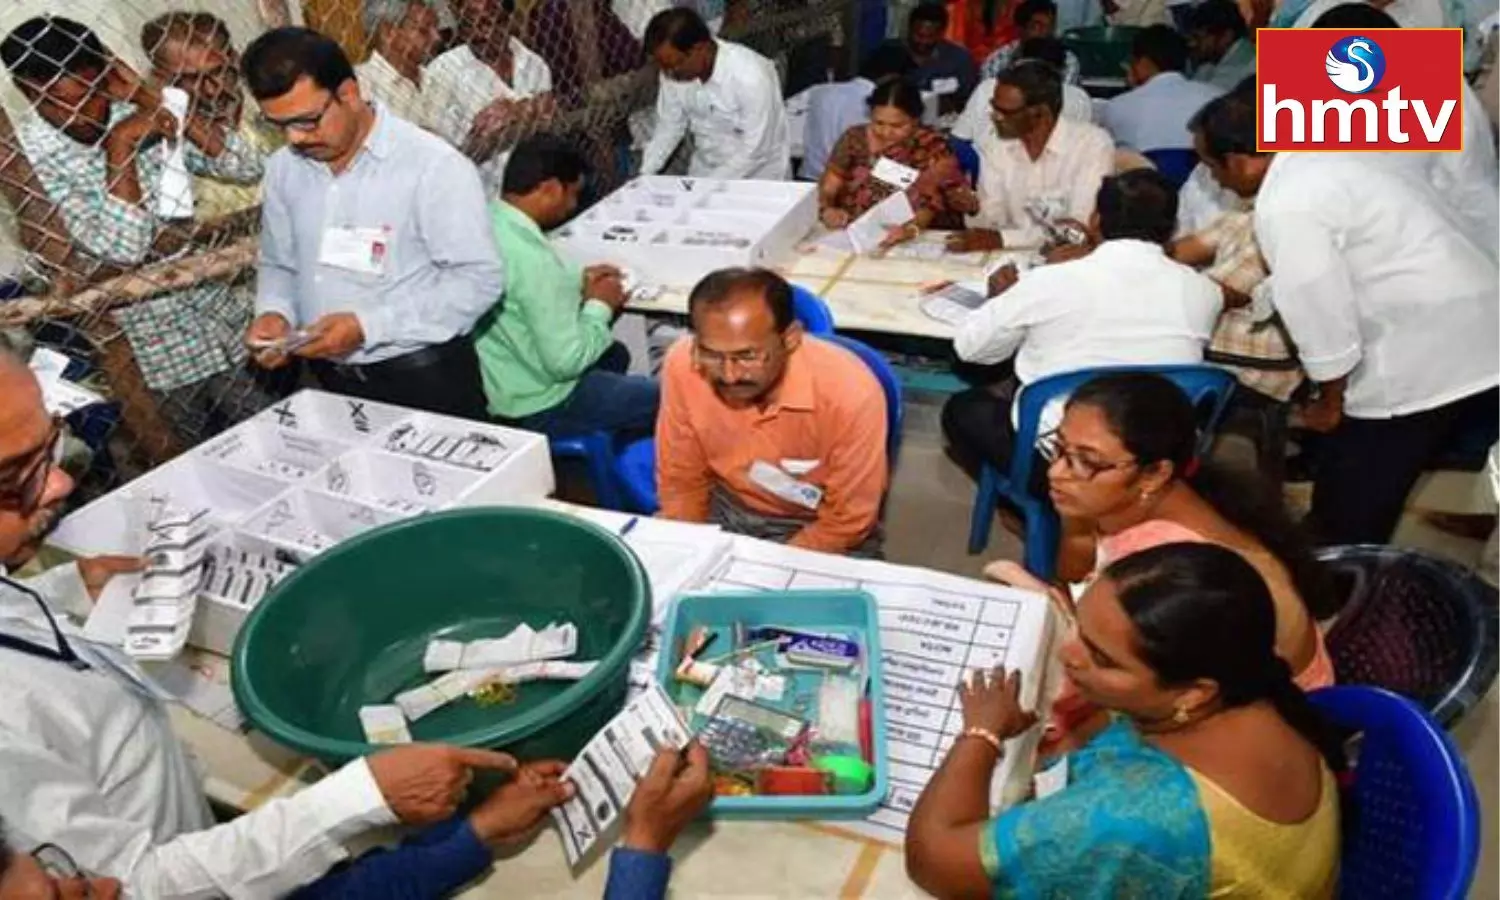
(796, 388)
(381, 140)
(518, 219)
(1163, 78)
(1127, 247)
(718, 75)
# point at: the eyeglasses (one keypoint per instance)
(24, 494)
(301, 124)
(1001, 113)
(56, 862)
(1051, 448)
(741, 359)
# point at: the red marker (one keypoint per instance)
(866, 732)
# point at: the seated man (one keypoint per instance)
(1125, 303)
(1034, 157)
(547, 356)
(1219, 44)
(767, 432)
(1154, 113)
(977, 121)
(942, 67)
(1034, 19)
(726, 95)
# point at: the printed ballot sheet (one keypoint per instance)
(934, 629)
(606, 772)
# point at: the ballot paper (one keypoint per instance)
(384, 725)
(419, 701)
(954, 303)
(866, 232)
(524, 644)
(174, 196)
(610, 766)
(166, 596)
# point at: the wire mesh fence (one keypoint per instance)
(129, 239)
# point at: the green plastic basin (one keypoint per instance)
(349, 628)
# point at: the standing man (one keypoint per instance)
(727, 96)
(404, 38)
(1391, 305)
(765, 431)
(1154, 113)
(548, 356)
(376, 247)
(1033, 157)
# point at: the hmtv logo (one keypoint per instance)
(1382, 89)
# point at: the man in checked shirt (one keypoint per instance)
(96, 136)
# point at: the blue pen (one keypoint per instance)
(629, 526)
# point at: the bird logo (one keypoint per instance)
(1355, 65)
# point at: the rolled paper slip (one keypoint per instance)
(384, 725)
(524, 644)
(419, 701)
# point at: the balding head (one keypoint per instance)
(32, 489)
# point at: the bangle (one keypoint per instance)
(913, 229)
(984, 734)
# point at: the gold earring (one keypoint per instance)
(1180, 715)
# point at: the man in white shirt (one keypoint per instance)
(833, 109)
(1391, 304)
(1468, 180)
(976, 122)
(90, 759)
(495, 90)
(726, 95)
(1125, 303)
(1034, 157)
(404, 38)
(1154, 113)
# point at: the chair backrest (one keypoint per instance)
(1415, 624)
(895, 412)
(810, 310)
(1207, 387)
(968, 158)
(1412, 823)
(1174, 165)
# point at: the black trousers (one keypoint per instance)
(978, 427)
(442, 379)
(1366, 469)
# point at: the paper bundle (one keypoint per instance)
(524, 644)
(419, 701)
(167, 596)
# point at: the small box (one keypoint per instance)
(307, 522)
(348, 419)
(269, 450)
(401, 484)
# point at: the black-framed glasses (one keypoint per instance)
(23, 493)
(302, 124)
(56, 862)
(741, 359)
(1051, 447)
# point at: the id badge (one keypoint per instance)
(362, 250)
(779, 483)
(1051, 779)
(944, 86)
(897, 175)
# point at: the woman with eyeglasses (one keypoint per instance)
(895, 152)
(1125, 476)
(1214, 778)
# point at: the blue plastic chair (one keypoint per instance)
(810, 310)
(1174, 165)
(597, 450)
(638, 461)
(968, 158)
(1206, 386)
(1412, 825)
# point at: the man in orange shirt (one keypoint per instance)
(765, 431)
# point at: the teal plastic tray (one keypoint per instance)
(851, 612)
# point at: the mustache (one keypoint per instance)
(42, 523)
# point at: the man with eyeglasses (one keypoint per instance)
(377, 256)
(766, 431)
(1125, 303)
(97, 137)
(1034, 157)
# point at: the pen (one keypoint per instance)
(629, 526)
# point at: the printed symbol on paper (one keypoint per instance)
(285, 416)
(358, 417)
(363, 515)
(603, 811)
(338, 479)
(422, 479)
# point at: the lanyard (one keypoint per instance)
(64, 652)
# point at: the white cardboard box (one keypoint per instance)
(313, 470)
(660, 226)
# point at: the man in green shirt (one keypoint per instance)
(547, 355)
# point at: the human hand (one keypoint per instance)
(333, 336)
(127, 135)
(605, 284)
(834, 218)
(425, 783)
(1014, 574)
(992, 701)
(1061, 253)
(266, 329)
(492, 127)
(510, 813)
(667, 799)
(974, 240)
(122, 84)
(1003, 279)
(96, 571)
(899, 234)
(1324, 414)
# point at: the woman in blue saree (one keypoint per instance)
(1214, 777)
